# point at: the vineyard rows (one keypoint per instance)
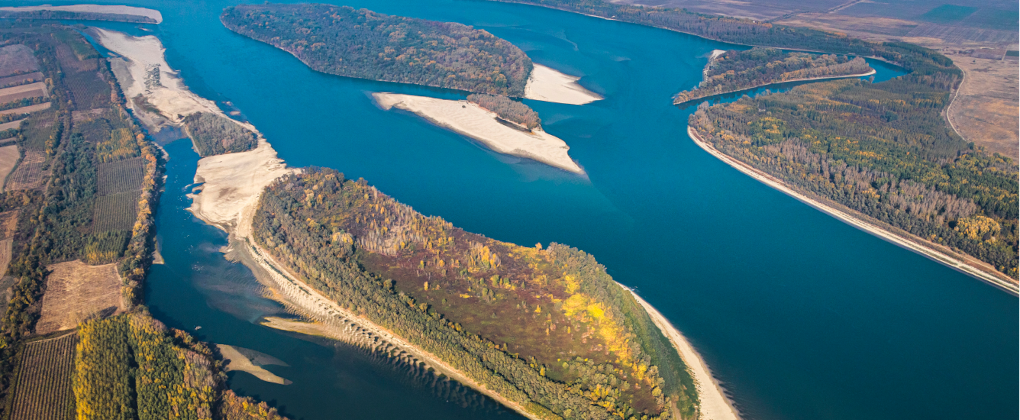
(42, 389)
(29, 173)
(115, 212)
(121, 176)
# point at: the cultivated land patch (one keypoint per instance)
(8, 158)
(42, 389)
(75, 292)
(6, 248)
(29, 174)
(21, 79)
(27, 109)
(121, 176)
(987, 107)
(115, 212)
(17, 59)
(11, 125)
(17, 93)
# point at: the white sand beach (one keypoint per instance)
(238, 361)
(714, 403)
(233, 182)
(480, 124)
(93, 8)
(548, 85)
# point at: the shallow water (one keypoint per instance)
(798, 314)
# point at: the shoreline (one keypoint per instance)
(714, 404)
(808, 79)
(861, 222)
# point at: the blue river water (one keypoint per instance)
(799, 315)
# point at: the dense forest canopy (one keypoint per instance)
(368, 45)
(738, 70)
(545, 328)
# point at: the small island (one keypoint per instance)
(733, 71)
(368, 45)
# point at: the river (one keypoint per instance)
(799, 315)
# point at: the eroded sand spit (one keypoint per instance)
(480, 124)
(548, 85)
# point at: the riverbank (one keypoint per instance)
(964, 264)
(715, 405)
(806, 79)
(548, 85)
(471, 120)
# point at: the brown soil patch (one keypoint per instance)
(8, 158)
(987, 109)
(6, 247)
(27, 109)
(8, 223)
(29, 173)
(75, 292)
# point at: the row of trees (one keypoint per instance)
(508, 109)
(315, 222)
(738, 70)
(368, 45)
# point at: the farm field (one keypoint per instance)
(17, 59)
(29, 174)
(115, 212)
(6, 246)
(121, 176)
(21, 79)
(27, 109)
(987, 107)
(76, 291)
(8, 158)
(16, 93)
(11, 125)
(43, 384)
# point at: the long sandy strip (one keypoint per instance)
(548, 85)
(237, 361)
(480, 124)
(714, 403)
(955, 262)
(92, 8)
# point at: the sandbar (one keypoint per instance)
(237, 360)
(92, 8)
(483, 125)
(714, 405)
(548, 85)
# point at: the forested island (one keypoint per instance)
(733, 71)
(76, 244)
(545, 328)
(363, 44)
(508, 109)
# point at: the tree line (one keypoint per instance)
(738, 70)
(508, 109)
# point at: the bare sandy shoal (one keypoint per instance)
(963, 264)
(76, 291)
(93, 8)
(172, 98)
(27, 109)
(233, 182)
(237, 361)
(548, 85)
(8, 158)
(715, 405)
(480, 124)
